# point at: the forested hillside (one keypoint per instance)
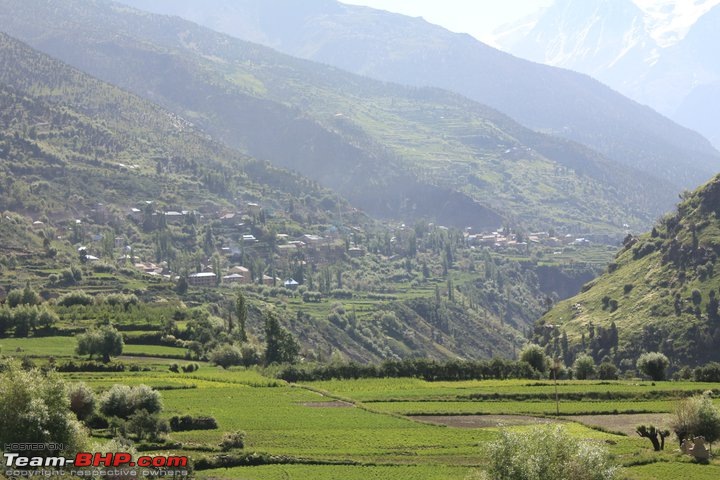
(393, 151)
(659, 294)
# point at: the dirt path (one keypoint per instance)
(624, 423)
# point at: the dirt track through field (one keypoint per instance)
(331, 404)
(624, 423)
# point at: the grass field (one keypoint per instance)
(297, 422)
(64, 347)
(362, 426)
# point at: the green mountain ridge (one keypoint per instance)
(393, 151)
(412, 51)
(661, 293)
(69, 142)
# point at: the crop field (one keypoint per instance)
(344, 472)
(368, 435)
(64, 347)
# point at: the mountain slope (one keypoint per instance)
(70, 141)
(397, 151)
(659, 53)
(661, 292)
(408, 50)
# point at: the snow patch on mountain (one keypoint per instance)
(668, 21)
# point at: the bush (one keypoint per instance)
(226, 356)
(653, 364)
(122, 401)
(547, 452)
(146, 425)
(707, 373)
(75, 298)
(35, 409)
(314, 297)
(181, 424)
(232, 440)
(607, 371)
(82, 400)
(101, 267)
(697, 416)
(190, 367)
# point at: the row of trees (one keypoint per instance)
(652, 364)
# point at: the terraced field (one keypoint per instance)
(359, 429)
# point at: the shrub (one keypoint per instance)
(653, 364)
(547, 452)
(122, 401)
(35, 409)
(190, 367)
(696, 416)
(233, 440)
(181, 424)
(607, 371)
(146, 425)
(709, 372)
(75, 298)
(82, 400)
(101, 267)
(226, 356)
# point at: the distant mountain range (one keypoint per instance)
(411, 51)
(660, 53)
(394, 151)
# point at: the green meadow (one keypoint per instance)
(360, 429)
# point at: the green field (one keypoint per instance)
(63, 347)
(366, 437)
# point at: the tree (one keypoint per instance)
(122, 401)
(584, 367)
(607, 371)
(182, 286)
(653, 364)
(105, 341)
(535, 356)
(146, 425)
(241, 313)
(547, 452)
(35, 409)
(696, 417)
(652, 434)
(280, 346)
(226, 356)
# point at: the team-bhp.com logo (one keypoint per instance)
(87, 464)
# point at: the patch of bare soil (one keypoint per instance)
(624, 423)
(482, 421)
(332, 404)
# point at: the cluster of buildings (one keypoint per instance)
(499, 240)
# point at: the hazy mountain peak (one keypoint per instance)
(668, 21)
